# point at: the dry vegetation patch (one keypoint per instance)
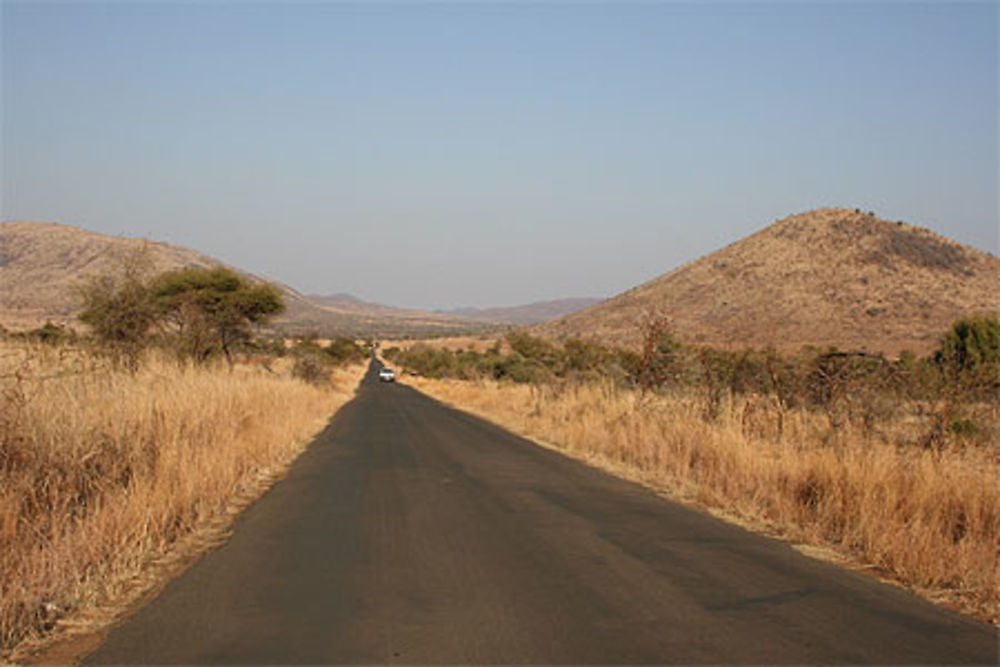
(103, 473)
(927, 518)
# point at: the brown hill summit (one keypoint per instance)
(830, 277)
(42, 264)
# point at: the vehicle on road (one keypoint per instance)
(387, 375)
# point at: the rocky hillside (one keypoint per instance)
(42, 266)
(830, 277)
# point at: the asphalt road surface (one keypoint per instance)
(413, 533)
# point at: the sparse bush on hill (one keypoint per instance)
(921, 248)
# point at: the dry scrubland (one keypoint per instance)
(928, 519)
(108, 477)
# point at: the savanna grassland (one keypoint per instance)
(107, 475)
(890, 464)
(130, 448)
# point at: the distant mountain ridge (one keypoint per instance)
(829, 277)
(530, 313)
(43, 263)
(522, 315)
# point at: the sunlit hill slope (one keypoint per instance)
(829, 277)
(43, 264)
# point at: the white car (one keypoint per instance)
(387, 375)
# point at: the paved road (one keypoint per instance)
(412, 533)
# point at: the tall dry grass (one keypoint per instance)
(928, 519)
(103, 472)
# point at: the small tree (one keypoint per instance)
(968, 363)
(970, 352)
(120, 312)
(344, 350)
(661, 357)
(213, 309)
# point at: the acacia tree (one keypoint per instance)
(213, 309)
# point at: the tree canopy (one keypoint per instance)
(204, 311)
(213, 308)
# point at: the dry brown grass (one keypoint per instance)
(103, 473)
(929, 520)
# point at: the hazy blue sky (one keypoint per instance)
(439, 154)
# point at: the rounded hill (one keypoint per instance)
(829, 277)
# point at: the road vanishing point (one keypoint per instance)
(412, 533)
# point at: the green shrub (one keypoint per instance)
(344, 351)
(121, 314)
(969, 356)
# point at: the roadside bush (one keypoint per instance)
(969, 356)
(121, 314)
(344, 351)
(312, 367)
